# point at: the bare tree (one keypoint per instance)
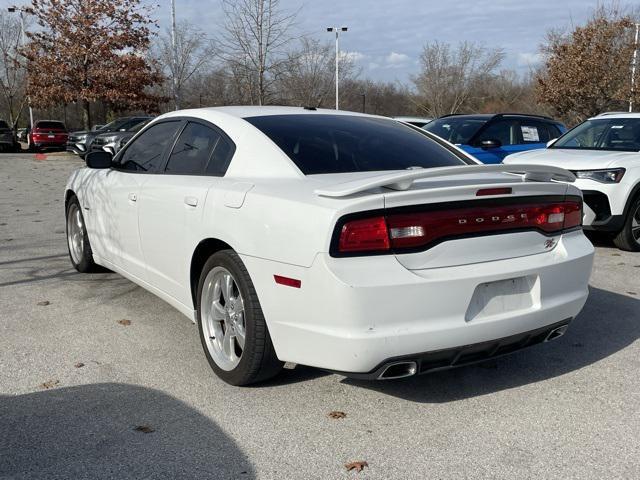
(309, 76)
(195, 53)
(12, 72)
(445, 84)
(256, 33)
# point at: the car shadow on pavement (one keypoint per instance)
(608, 323)
(90, 432)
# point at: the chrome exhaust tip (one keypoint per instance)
(396, 370)
(556, 333)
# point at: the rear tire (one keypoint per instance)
(232, 328)
(629, 237)
(78, 244)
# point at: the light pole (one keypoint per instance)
(21, 10)
(633, 68)
(174, 56)
(337, 31)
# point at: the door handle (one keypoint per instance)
(191, 201)
(133, 197)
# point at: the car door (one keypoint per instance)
(172, 205)
(120, 191)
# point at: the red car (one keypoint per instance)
(48, 134)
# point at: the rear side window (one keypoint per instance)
(535, 131)
(219, 161)
(554, 131)
(144, 154)
(324, 143)
(3, 125)
(51, 125)
(193, 150)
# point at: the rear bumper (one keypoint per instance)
(45, 144)
(428, 362)
(354, 314)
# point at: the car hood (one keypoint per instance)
(573, 159)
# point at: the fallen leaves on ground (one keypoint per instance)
(44, 303)
(357, 466)
(337, 414)
(49, 384)
(124, 322)
(79, 365)
(144, 429)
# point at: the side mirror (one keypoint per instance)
(490, 143)
(98, 159)
(551, 142)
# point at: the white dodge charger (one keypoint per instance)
(342, 241)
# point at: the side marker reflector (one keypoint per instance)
(289, 282)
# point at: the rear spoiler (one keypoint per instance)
(402, 180)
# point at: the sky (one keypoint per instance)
(385, 37)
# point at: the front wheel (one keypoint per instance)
(232, 328)
(78, 240)
(629, 237)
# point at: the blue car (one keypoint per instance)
(491, 137)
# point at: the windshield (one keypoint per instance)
(115, 125)
(621, 134)
(457, 130)
(319, 143)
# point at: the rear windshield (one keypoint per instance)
(319, 143)
(47, 124)
(3, 124)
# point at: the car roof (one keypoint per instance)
(617, 115)
(413, 119)
(247, 111)
(489, 116)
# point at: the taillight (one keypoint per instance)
(364, 235)
(418, 230)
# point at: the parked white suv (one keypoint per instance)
(604, 154)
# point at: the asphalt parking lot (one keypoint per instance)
(85, 395)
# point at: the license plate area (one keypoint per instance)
(495, 299)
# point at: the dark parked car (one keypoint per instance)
(47, 134)
(8, 142)
(491, 137)
(112, 142)
(80, 142)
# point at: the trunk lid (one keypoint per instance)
(464, 199)
(461, 215)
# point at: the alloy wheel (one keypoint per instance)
(75, 233)
(223, 318)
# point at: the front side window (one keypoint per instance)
(324, 143)
(503, 130)
(621, 134)
(193, 150)
(144, 154)
(457, 130)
